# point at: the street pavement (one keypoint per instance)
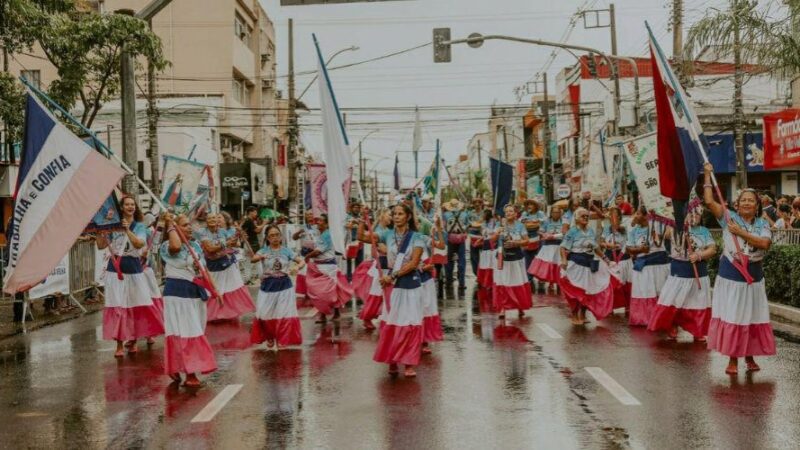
(532, 383)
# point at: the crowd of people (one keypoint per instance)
(399, 260)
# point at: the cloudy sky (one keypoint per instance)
(456, 97)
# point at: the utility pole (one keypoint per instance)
(613, 27)
(152, 124)
(291, 152)
(480, 163)
(738, 110)
(505, 141)
(360, 163)
(546, 138)
(128, 101)
(677, 40)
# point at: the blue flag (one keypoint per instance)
(502, 183)
(396, 173)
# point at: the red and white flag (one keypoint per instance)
(62, 182)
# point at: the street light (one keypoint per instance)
(348, 49)
(360, 155)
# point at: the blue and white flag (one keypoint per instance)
(62, 183)
(338, 158)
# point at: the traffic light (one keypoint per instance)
(441, 52)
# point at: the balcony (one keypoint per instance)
(244, 60)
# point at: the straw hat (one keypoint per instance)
(453, 205)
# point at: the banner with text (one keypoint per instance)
(782, 139)
(56, 282)
(642, 155)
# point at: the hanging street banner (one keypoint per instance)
(258, 184)
(182, 178)
(599, 174)
(56, 282)
(782, 139)
(318, 186)
(642, 155)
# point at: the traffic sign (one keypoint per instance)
(245, 195)
(563, 191)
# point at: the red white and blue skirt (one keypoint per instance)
(276, 313)
(367, 287)
(431, 322)
(186, 348)
(740, 324)
(130, 312)
(685, 301)
(401, 331)
(487, 263)
(511, 289)
(546, 266)
(649, 274)
(327, 286)
(236, 299)
(621, 271)
(588, 283)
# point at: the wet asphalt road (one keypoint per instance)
(532, 383)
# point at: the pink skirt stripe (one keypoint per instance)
(300, 285)
(399, 344)
(641, 311)
(694, 321)
(234, 304)
(545, 271)
(512, 297)
(432, 329)
(600, 304)
(188, 355)
(622, 295)
(125, 324)
(485, 277)
(741, 340)
(284, 331)
(362, 281)
(372, 307)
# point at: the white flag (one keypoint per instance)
(417, 138)
(338, 159)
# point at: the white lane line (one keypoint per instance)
(612, 386)
(549, 331)
(217, 403)
(311, 313)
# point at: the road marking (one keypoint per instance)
(612, 386)
(311, 313)
(549, 331)
(217, 403)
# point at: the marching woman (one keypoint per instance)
(129, 312)
(186, 348)
(219, 254)
(308, 237)
(685, 299)
(487, 261)
(327, 287)
(586, 282)
(373, 303)
(431, 322)
(401, 336)
(546, 265)
(153, 239)
(740, 323)
(613, 241)
(511, 289)
(276, 319)
(650, 266)
(532, 218)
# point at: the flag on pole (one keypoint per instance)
(416, 141)
(62, 183)
(681, 142)
(396, 173)
(502, 183)
(338, 159)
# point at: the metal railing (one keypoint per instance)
(779, 237)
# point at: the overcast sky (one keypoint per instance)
(476, 77)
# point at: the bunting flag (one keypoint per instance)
(502, 183)
(681, 142)
(338, 158)
(62, 183)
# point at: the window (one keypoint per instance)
(34, 77)
(242, 30)
(241, 91)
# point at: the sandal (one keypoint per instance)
(393, 370)
(732, 370)
(752, 366)
(119, 353)
(410, 372)
(175, 377)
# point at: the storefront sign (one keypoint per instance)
(782, 139)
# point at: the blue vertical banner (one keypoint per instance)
(502, 183)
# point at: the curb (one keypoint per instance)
(785, 321)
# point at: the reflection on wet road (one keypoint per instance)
(536, 382)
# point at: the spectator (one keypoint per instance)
(251, 228)
(784, 217)
(625, 208)
(770, 213)
(796, 213)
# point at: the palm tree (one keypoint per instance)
(750, 34)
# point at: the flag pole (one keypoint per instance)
(98, 143)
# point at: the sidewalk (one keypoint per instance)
(785, 321)
(43, 319)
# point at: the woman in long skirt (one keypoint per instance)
(740, 325)
(149, 274)
(650, 266)
(546, 265)
(613, 241)
(374, 298)
(327, 286)
(685, 299)
(511, 288)
(186, 348)
(401, 336)
(219, 253)
(431, 322)
(129, 312)
(487, 259)
(276, 320)
(308, 235)
(586, 281)
(532, 218)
